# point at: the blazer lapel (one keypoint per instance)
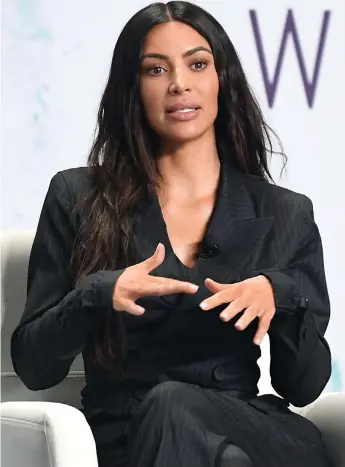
(232, 235)
(150, 229)
(234, 231)
(233, 227)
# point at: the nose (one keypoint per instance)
(179, 83)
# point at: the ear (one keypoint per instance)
(214, 286)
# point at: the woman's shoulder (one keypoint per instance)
(75, 178)
(71, 184)
(68, 190)
(274, 197)
(67, 199)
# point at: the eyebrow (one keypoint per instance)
(186, 54)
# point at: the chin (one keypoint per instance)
(185, 134)
(185, 138)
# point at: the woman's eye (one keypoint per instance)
(199, 65)
(155, 70)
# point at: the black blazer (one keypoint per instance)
(256, 228)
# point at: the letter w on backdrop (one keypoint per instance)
(290, 28)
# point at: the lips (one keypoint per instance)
(182, 107)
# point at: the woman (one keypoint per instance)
(170, 334)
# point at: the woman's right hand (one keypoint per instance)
(136, 282)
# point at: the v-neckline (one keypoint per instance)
(232, 232)
(214, 213)
(167, 242)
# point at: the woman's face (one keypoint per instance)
(178, 82)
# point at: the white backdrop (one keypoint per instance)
(56, 57)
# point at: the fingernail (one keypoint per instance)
(204, 305)
(239, 326)
(223, 316)
(257, 341)
(194, 287)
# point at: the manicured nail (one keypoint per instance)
(204, 305)
(194, 287)
(239, 326)
(223, 316)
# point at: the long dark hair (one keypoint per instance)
(122, 158)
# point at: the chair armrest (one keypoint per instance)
(328, 414)
(45, 434)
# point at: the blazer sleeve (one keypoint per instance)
(58, 319)
(300, 356)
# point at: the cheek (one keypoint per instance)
(209, 89)
(151, 100)
(212, 92)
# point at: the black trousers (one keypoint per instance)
(176, 428)
(177, 424)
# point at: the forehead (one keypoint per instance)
(173, 38)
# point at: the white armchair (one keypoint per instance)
(45, 428)
(40, 434)
(41, 428)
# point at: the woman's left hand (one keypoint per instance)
(253, 296)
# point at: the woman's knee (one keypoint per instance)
(168, 400)
(233, 456)
(169, 393)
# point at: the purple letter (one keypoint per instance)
(290, 28)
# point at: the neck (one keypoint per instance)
(190, 170)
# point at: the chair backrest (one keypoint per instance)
(15, 251)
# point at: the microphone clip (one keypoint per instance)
(212, 251)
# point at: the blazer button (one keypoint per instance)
(299, 302)
(219, 373)
(303, 302)
(89, 297)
